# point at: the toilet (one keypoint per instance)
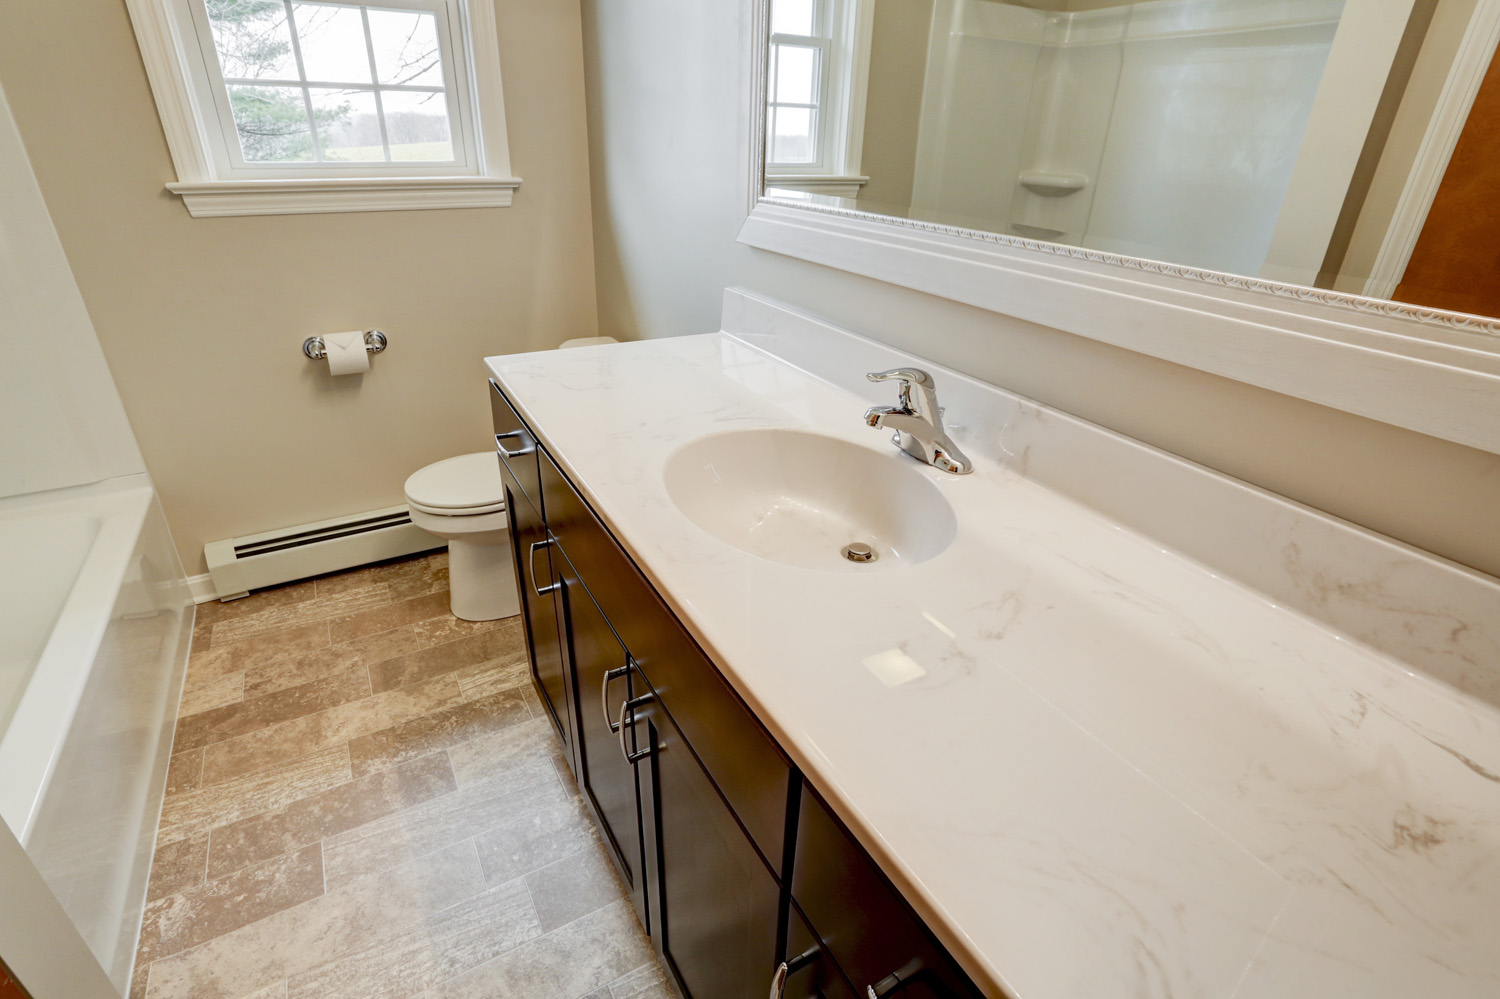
(463, 501)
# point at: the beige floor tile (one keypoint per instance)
(406, 578)
(530, 742)
(261, 600)
(430, 662)
(443, 946)
(328, 813)
(213, 693)
(232, 720)
(567, 963)
(302, 612)
(276, 990)
(198, 914)
(452, 818)
(530, 842)
(646, 982)
(193, 812)
(297, 940)
(436, 731)
(423, 635)
(335, 726)
(451, 750)
(510, 673)
(237, 657)
(292, 668)
(177, 866)
(573, 886)
(185, 772)
(393, 615)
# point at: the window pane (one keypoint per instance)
(797, 74)
(272, 123)
(406, 47)
(333, 43)
(348, 125)
(792, 17)
(253, 40)
(792, 138)
(417, 125)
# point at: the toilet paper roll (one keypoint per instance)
(346, 353)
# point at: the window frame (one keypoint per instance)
(844, 29)
(213, 180)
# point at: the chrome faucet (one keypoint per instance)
(918, 420)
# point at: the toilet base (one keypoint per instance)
(481, 581)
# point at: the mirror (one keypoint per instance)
(1351, 145)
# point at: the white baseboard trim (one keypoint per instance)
(201, 587)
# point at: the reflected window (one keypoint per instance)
(815, 85)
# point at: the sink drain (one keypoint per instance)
(859, 552)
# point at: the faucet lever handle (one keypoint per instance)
(913, 376)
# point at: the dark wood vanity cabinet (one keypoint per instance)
(714, 918)
(518, 455)
(733, 865)
(868, 929)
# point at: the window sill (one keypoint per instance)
(834, 185)
(217, 198)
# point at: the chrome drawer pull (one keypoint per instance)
(541, 591)
(896, 980)
(626, 707)
(610, 675)
(519, 452)
(778, 982)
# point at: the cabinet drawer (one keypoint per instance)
(738, 754)
(516, 445)
(812, 972)
(866, 926)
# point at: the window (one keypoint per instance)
(815, 90)
(285, 106)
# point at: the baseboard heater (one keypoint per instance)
(239, 565)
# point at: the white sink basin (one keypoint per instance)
(799, 498)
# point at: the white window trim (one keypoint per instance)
(838, 171)
(191, 124)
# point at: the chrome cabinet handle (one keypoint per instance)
(778, 981)
(527, 449)
(609, 676)
(627, 707)
(896, 980)
(541, 591)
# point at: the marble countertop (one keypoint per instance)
(1121, 772)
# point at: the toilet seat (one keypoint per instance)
(466, 486)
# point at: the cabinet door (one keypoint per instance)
(538, 590)
(714, 902)
(742, 757)
(865, 924)
(603, 678)
(812, 973)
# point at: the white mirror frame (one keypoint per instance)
(1428, 370)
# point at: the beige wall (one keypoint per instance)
(671, 249)
(202, 319)
(893, 108)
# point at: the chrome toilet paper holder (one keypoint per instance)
(313, 347)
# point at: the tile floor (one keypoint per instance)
(366, 802)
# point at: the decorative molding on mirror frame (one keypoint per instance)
(1429, 370)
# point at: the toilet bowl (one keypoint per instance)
(462, 501)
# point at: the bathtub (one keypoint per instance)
(95, 620)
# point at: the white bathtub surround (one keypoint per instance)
(1139, 730)
(96, 626)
